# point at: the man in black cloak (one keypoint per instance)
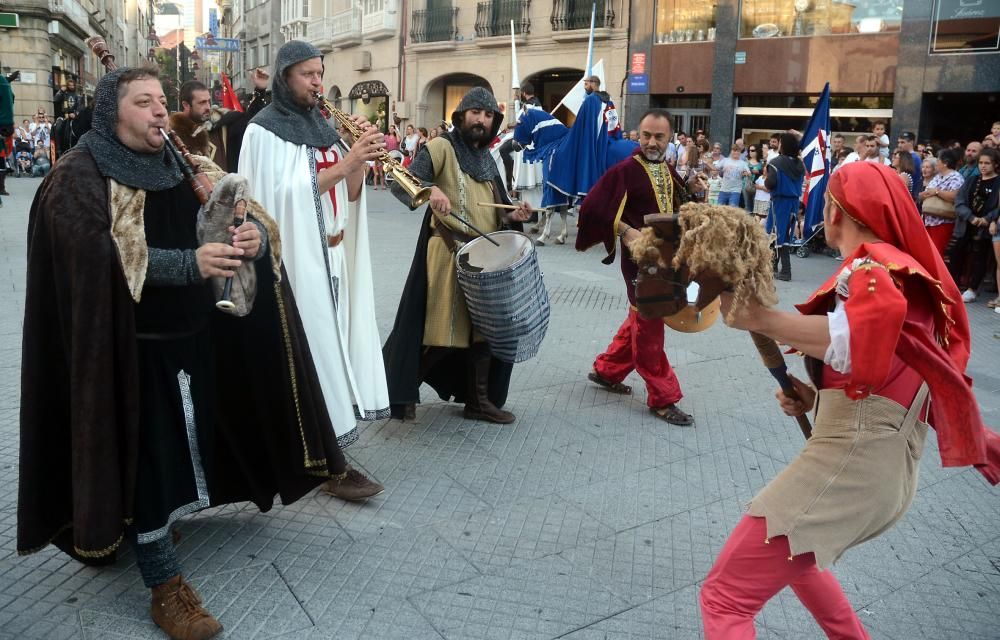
(433, 339)
(141, 403)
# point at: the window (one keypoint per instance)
(684, 21)
(305, 9)
(372, 6)
(265, 54)
(776, 18)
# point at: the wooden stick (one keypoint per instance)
(511, 207)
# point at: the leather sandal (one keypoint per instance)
(672, 414)
(994, 303)
(613, 387)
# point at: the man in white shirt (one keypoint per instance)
(872, 153)
(772, 147)
(857, 154)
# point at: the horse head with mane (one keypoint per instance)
(718, 248)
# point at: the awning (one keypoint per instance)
(367, 89)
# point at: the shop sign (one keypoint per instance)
(217, 44)
(966, 26)
(9, 21)
(638, 63)
(638, 83)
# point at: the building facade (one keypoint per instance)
(415, 59)
(744, 69)
(48, 48)
(258, 25)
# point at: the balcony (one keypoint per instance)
(381, 23)
(493, 21)
(434, 29)
(75, 15)
(571, 19)
(336, 32)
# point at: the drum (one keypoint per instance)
(504, 292)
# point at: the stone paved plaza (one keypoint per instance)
(587, 519)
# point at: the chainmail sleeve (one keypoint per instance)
(172, 268)
(423, 168)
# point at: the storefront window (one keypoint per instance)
(684, 21)
(777, 18)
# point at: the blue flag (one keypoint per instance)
(816, 156)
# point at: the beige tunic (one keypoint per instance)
(854, 479)
(447, 322)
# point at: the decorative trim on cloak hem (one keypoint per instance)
(614, 231)
(100, 553)
(372, 415)
(348, 438)
(308, 462)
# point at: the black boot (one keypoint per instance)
(477, 404)
(786, 264)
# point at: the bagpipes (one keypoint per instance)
(223, 204)
(719, 249)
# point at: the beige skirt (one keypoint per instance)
(854, 479)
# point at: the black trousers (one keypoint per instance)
(969, 253)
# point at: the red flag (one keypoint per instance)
(229, 99)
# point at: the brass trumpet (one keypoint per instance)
(419, 194)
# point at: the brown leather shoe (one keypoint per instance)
(352, 485)
(176, 608)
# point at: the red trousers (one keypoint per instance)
(751, 569)
(940, 235)
(638, 345)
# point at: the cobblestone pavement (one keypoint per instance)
(587, 519)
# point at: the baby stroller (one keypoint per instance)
(815, 243)
(22, 163)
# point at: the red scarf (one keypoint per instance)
(874, 196)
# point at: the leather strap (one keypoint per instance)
(333, 241)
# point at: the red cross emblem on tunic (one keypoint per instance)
(327, 158)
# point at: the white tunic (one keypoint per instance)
(333, 287)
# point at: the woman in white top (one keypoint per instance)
(410, 141)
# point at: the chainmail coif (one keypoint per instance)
(284, 117)
(148, 171)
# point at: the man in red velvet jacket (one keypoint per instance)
(613, 210)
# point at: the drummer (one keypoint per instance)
(433, 339)
(613, 211)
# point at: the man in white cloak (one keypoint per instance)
(304, 176)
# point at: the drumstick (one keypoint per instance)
(512, 207)
(469, 224)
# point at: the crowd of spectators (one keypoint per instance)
(955, 188)
(31, 143)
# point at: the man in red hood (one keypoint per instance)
(883, 336)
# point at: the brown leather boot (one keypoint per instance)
(177, 609)
(478, 405)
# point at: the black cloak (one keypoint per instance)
(79, 386)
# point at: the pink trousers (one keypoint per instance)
(751, 569)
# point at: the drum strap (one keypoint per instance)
(450, 236)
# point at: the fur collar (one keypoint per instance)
(128, 228)
(195, 137)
